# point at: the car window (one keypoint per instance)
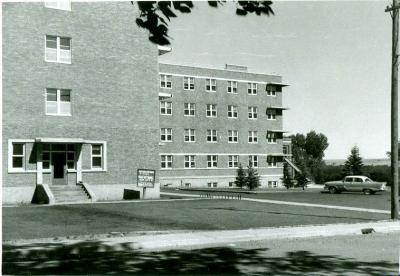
(358, 180)
(348, 179)
(368, 180)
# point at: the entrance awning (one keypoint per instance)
(277, 84)
(59, 140)
(277, 130)
(277, 107)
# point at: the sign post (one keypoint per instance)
(145, 179)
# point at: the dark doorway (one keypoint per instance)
(59, 170)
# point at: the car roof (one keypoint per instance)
(360, 176)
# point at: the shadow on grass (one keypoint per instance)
(97, 258)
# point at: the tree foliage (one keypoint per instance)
(287, 179)
(354, 164)
(156, 15)
(252, 179)
(240, 180)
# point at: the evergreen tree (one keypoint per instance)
(287, 179)
(354, 164)
(241, 177)
(252, 179)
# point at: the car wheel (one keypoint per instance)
(367, 192)
(332, 190)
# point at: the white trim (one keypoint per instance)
(10, 156)
(57, 49)
(103, 149)
(212, 153)
(214, 176)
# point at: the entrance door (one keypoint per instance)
(59, 171)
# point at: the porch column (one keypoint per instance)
(79, 163)
(39, 164)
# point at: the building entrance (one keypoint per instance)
(59, 168)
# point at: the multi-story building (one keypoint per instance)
(211, 120)
(79, 95)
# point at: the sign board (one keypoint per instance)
(146, 178)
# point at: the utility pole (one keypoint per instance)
(394, 210)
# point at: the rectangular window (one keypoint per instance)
(272, 184)
(189, 109)
(189, 135)
(166, 81)
(211, 110)
(188, 83)
(166, 134)
(285, 149)
(252, 88)
(272, 89)
(165, 108)
(232, 87)
(233, 136)
(253, 138)
(58, 49)
(212, 161)
(232, 111)
(58, 101)
(212, 136)
(211, 85)
(18, 156)
(166, 161)
(233, 161)
(59, 5)
(230, 183)
(271, 114)
(271, 138)
(272, 162)
(69, 150)
(97, 156)
(253, 161)
(71, 156)
(252, 112)
(190, 161)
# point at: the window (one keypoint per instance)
(166, 161)
(253, 161)
(232, 87)
(233, 136)
(212, 184)
(165, 81)
(271, 138)
(211, 85)
(252, 88)
(58, 101)
(18, 156)
(252, 111)
(212, 161)
(69, 150)
(232, 111)
(166, 135)
(189, 161)
(271, 114)
(60, 5)
(211, 135)
(71, 156)
(272, 89)
(189, 109)
(230, 183)
(189, 135)
(211, 110)
(188, 83)
(253, 137)
(97, 156)
(58, 49)
(233, 161)
(272, 162)
(165, 108)
(285, 149)
(272, 184)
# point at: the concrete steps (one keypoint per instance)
(66, 194)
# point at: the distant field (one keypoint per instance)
(367, 162)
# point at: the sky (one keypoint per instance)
(336, 56)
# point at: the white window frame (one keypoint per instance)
(211, 85)
(233, 112)
(271, 137)
(165, 81)
(101, 155)
(212, 161)
(211, 111)
(272, 184)
(58, 5)
(251, 88)
(58, 103)
(58, 49)
(271, 92)
(253, 137)
(167, 160)
(190, 133)
(11, 156)
(166, 108)
(232, 87)
(166, 134)
(233, 161)
(189, 161)
(189, 109)
(272, 162)
(66, 151)
(252, 113)
(253, 161)
(212, 136)
(271, 114)
(233, 136)
(189, 82)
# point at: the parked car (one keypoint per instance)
(355, 183)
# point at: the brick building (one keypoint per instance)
(79, 95)
(211, 120)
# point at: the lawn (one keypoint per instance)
(28, 222)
